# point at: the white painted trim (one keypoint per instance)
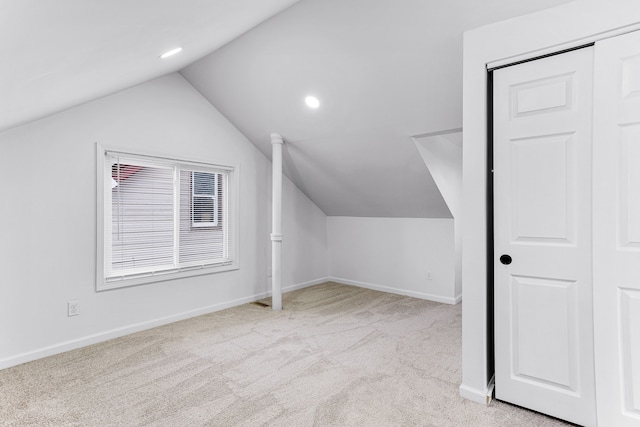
(564, 46)
(298, 286)
(115, 283)
(100, 216)
(482, 397)
(306, 284)
(490, 389)
(421, 295)
(127, 330)
(438, 133)
(119, 332)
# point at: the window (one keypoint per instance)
(162, 218)
(204, 199)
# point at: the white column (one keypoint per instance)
(276, 220)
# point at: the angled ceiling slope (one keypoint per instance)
(383, 71)
(58, 54)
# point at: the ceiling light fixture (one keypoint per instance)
(170, 53)
(312, 101)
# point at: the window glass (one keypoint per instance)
(204, 200)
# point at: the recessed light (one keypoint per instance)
(312, 101)
(171, 52)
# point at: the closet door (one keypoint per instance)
(616, 261)
(542, 234)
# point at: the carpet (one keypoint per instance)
(335, 356)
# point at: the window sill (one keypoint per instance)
(124, 282)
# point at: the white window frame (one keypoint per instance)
(214, 199)
(103, 223)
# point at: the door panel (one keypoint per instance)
(542, 96)
(616, 260)
(543, 198)
(545, 358)
(629, 209)
(629, 320)
(542, 219)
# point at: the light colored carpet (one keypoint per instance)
(336, 356)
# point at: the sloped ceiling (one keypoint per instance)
(57, 54)
(383, 70)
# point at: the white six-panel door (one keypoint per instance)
(542, 221)
(616, 255)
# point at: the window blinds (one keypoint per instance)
(163, 216)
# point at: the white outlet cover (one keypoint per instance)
(73, 308)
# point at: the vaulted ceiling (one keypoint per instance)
(58, 54)
(383, 70)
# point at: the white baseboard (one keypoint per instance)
(119, 332)
(421, 295)
(304, 285)
(482, 397)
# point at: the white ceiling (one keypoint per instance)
(383, 70)
(60, 53)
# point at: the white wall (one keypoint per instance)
(48, 221)
(443, 156)
(568, 25)
(304, 246)
(394, 255)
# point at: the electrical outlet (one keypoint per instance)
(73, 308)
(429, 277)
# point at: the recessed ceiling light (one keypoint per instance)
(171, 52)
(312, 101)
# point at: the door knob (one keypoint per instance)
(505, 259)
